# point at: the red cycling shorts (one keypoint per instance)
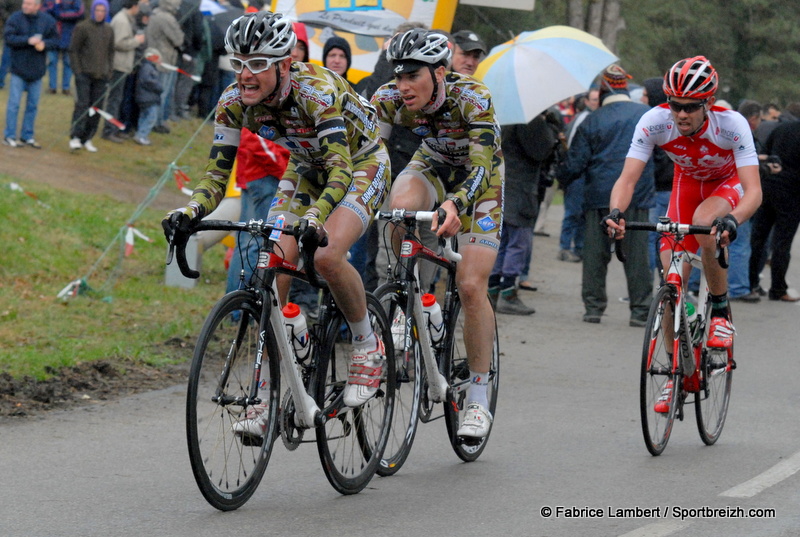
(688, 193)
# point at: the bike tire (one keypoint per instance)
(656, 371)
(227, 466)
(405, 414)
(456, 370)
(711, 402)
(352, 440)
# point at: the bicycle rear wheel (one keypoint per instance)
(711, 402)
(657, 373)
(352, 440)
(456, 370)
(394, 301)
(228, 467)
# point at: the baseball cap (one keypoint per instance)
(469, 40)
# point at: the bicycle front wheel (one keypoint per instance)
(394, 301)
(456, 370)
(352, 440)
(711, 402)
(228, 466)
(660, 384)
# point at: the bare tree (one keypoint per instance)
(601, 18)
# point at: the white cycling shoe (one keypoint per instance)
(476, 423)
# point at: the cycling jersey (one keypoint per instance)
(705, 163)
(460, 130)
(320, 119)
(723, 144)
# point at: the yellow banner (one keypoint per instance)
(365, 24)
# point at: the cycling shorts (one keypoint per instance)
(688, 194)
(303, 183)
(481, 222)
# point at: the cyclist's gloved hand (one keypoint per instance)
(309, 230)
(615, 216)
(726, 223)
(181, 220)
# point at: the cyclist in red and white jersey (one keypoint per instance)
(716, 173)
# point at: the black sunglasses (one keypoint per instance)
(688, 107)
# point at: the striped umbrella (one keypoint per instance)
(535, 70)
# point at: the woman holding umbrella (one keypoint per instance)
(459, 166)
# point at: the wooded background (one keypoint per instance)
(753, 44)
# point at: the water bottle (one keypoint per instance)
(434, 314)
(691, 318)
(297, 330)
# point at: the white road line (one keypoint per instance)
(773, 476)
(658, 529)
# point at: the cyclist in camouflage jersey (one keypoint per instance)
(338, 172)
(458, 165)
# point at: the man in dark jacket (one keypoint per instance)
(598, 153)
(525, 148)
(28, 33)
(92, 55)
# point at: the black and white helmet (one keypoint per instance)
(263, 32)
(425, 46)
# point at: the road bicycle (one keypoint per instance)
(243, 345)
(428, 372)
(675, 353)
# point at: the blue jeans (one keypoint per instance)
(5, 63)
(662, 202)
(513, 256)
(147, 120)
(16, 88)
(52, 69)
(573, 225)
(168, 84)
(256, 199)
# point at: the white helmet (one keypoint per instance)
(424, 46)
(263, 32)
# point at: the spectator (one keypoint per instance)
(525, 148)
(468, 52)
(148, 95)
(336, 56)
(67, 13)
(598, 153)
(573, 223)
(165, 34)
(191, 21)
(779, 214)
(300, 50)
(28, 33)
(7, 7)
(126, 41)
(92, 55)
(653, 95)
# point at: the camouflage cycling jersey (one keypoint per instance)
(320, 119)
(461, 131)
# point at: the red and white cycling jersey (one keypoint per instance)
(723, 144)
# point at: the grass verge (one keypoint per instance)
(62, 236)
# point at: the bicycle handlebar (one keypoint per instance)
(177, 246)
(422, 216)
(676, 228)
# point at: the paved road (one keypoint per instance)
(567, 434)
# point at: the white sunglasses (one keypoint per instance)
(255, 65)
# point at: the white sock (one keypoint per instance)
(363, 337)
(478, 385)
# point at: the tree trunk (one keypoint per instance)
(576, 14)
(613, 23)
(595, 23)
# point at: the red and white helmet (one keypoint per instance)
(691, 78)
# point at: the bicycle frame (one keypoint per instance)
(411, 251)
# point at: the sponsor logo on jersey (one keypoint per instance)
(360, 114)
(300, 131)
(219, 137)
(730, 135)
(487, 242)
(265, 119)
(476, 99)
(267, 132)
(486, 224)
(422, 131)
(376, 188)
